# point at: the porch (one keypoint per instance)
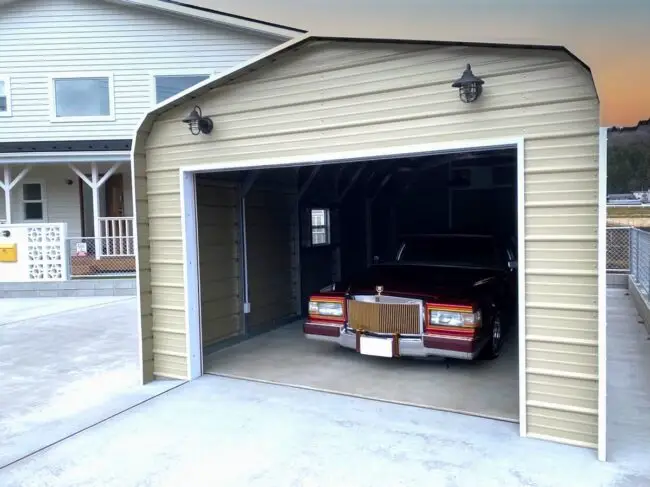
(88, 197)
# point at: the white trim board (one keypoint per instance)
(6, 79)
(358, 156)
(65, 157)
(190, 237)
(191, 282)
(521, 286)
(602, 295)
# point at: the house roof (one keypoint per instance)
(177, 8)
(269, 56)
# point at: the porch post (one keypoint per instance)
(7, 189)
(96, 210)
(7, 185)
(95, 183)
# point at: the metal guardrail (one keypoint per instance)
(640, 260)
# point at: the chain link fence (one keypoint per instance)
(618, 249)
(101, 257)
(640, 260)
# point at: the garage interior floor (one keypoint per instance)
(284, 356)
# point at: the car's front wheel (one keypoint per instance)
(493, 347)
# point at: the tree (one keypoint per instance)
(628, 165)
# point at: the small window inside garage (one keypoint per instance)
(307, 273)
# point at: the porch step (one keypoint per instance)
(71, 288)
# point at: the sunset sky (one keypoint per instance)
(611, 36)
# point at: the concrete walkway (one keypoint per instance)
(628, 387)
(13, 310)
(229, 432)
(65, 364)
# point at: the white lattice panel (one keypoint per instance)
(46, 252)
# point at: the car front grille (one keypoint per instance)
(384, 318)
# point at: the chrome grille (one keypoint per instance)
(384, 318)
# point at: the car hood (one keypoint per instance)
(422, 281)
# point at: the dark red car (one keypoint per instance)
(444, 295)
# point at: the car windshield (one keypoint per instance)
(450, 250)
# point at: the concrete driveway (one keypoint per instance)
(65, 364)
(230, 432)
(226, 432)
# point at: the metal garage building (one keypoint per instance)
(317, 100)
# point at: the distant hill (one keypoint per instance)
(638, 133)
(628, 158)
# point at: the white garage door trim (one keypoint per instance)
(602, 295)
(190, 240)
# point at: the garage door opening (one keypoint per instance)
(269, 239)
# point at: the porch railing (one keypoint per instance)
(116, 237)
(110, 252)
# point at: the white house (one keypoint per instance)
(76, 76)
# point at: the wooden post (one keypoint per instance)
(95, 184)
(97, 230)
(7, 185)
(7, 188)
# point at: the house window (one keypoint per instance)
(167, 86)
(5, 97)
(85, 98)
(33, 202)
(320, 226)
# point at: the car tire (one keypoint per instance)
(493, 348)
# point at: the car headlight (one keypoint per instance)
(325, 308)
(450, 318)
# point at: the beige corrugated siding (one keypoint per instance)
(219, 260)
(330, 96)
(269, 233)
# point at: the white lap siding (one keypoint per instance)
(40, 38)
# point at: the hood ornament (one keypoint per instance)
(379, 289)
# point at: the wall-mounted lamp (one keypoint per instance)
(198, 123)
(469, 86)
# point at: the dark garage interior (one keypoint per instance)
(269, 238)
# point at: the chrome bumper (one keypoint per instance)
(407, 346)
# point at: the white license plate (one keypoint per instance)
(379, 347)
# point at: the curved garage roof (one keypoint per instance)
(270, 56)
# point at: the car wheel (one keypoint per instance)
(493, 347)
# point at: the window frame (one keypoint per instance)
(82, 75)
(327, 226)
(179, 72)
(6, 79)
(43, 200)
